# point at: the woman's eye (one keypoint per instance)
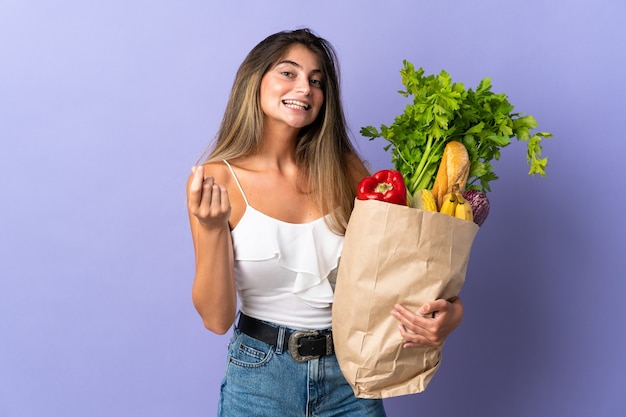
(317, 83)
(287, 74)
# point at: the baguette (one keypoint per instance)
(453, 169)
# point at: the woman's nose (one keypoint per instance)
(303, 85)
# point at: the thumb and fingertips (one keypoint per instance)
(197, 169)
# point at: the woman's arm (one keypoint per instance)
(213, 292)
(431, 324)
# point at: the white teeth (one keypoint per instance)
(295, 104)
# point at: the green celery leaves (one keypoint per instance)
(442, 110)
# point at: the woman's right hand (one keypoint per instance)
(208, 201)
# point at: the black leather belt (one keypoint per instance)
(303, 345)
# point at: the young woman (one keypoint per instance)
(268, 210)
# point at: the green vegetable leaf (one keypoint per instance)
(441, 110)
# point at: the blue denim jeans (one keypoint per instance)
(265, 381)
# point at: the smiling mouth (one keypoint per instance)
(295, 104)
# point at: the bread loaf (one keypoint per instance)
(453, 169)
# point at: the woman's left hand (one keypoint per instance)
(432, 323)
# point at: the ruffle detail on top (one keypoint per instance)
(311, 250)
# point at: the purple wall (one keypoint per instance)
(104, 107)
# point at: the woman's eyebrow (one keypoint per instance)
(287, 61)
(295, 64)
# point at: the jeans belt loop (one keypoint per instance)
(330, 347)
(280, 342)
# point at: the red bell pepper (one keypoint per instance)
(385, 185)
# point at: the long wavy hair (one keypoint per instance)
(322, 147)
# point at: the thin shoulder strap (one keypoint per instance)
(232, 171)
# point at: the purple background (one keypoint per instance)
(105, 106)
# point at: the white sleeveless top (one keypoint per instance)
(285, 272)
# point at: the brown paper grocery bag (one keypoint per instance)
(393, 254)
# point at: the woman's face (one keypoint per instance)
(291, 91)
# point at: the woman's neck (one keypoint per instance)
(279, 145)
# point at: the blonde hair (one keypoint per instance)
(323, 147)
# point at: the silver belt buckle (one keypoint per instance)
(294, 345)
